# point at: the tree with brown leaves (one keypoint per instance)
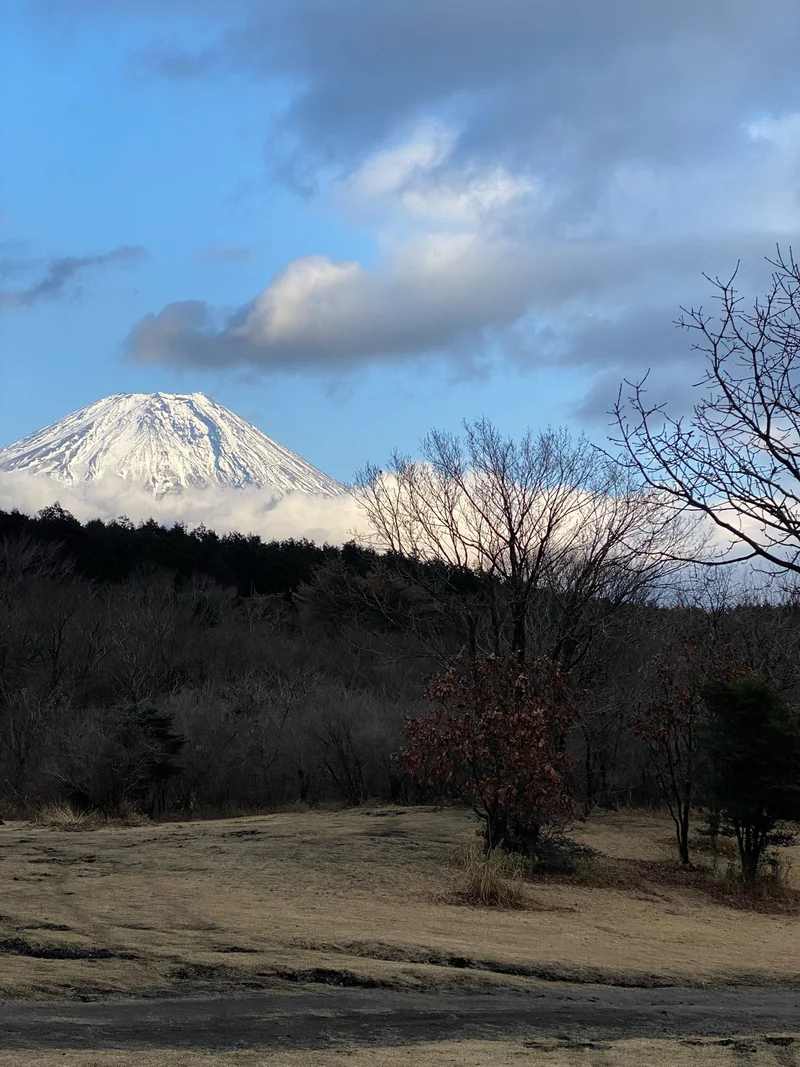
(495, 737)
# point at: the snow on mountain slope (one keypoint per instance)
(165, 443)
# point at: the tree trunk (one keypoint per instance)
(682, 831)
(519, 633)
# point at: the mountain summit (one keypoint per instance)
(165, 443)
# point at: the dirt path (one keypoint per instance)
(306, 1019)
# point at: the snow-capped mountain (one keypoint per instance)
(165, 443)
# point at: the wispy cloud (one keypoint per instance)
(54, 278)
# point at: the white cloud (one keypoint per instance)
(467, 201)
(428, 283)
(311, 296)
(321, 519)
(391, 169)
(776, 193)
(416, 179)
(446, 266)
(782, 131)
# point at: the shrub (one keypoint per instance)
(560, 855)
(495, 738)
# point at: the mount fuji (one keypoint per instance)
(164, 443)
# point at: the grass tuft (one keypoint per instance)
(62, 816)
(490, 879)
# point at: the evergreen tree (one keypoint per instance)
(752, 741)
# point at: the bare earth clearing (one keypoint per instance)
(366, 898)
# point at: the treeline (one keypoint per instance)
(113, 551)
(134, 675)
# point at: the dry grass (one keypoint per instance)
(494, 879)
(774, 893)
(62, 816)
(761, 1051)
(357, 896)
(714, 873)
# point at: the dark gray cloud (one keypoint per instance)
(551, 84)
(596, 159)
(55, 277)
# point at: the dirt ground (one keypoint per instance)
(356, 897)
(774, 1051)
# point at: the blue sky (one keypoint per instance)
(352, 221)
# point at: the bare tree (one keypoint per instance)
(736, 458)
(553, 527)
(668, 723)
(23, 558)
